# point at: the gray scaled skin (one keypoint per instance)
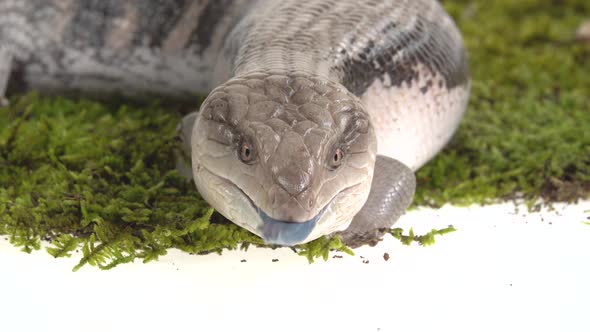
(319, 111)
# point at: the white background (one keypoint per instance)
(502, 270)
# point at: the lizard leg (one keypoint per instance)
(392, 191)
(5, 70)
(183, 133)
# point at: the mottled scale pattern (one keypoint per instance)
(136, 48)
(351, 42)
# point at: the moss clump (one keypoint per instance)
(527, 128)
(76, 173)
(85, 175)
(427, 239)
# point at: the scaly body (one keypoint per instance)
(306, 95)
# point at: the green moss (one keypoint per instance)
(427, 239)
(527, 128)
(101, 179)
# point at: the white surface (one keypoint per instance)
(501, 271)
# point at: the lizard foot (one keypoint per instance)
(392, 191)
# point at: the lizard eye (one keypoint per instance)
(336, 158)
(246, 152)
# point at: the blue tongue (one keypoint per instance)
(286, 233)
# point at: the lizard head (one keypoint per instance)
(288, 157)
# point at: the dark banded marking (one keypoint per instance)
(157, 19)
(210, 17)
(178, 39)
(362, 69)
(93, 22)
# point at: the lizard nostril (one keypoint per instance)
(311, 201)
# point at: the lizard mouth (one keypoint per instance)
(272, 230)
(286, 233)
(282, 232)
(289, 233)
